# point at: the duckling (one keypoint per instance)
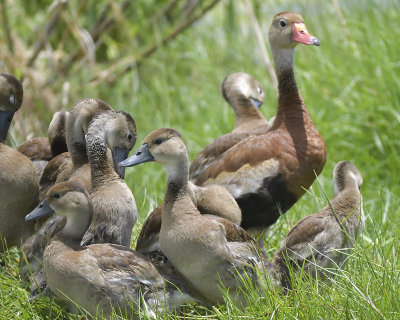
(268, 173)
(213, 200)
(76, 163)
(41, 150)
(322, 240)
(206, 250)
(19, 188)
(100, 277)
(114, 206)
(245, 95)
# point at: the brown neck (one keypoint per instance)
(246, 115)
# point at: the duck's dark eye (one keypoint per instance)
(56, 195)
(130, 136)
(260, 92)
(158, 141)
(282, 23)
(12, 99)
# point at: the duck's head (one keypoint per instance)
(119, 131)
(11, 95)
(288, 29)
(162, 145)
(346, 175)
(241, 90)
(68, 199)
(71, 201)
(121, 137)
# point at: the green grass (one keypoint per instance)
(351, 85)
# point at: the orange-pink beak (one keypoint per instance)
(301, 34)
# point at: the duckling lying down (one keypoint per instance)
(101, 277)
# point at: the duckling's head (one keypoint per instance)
(346, 175)
(11, 95)
(70, 200)
(241, 90)
(288, 29)
(117, 130)
(162, 145)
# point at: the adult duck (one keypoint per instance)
(268, 173)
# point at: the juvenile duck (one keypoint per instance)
(268, 173)
(19, 188)
(114, 206)
(204, 249)
(100, 277)
(245, 95)
(41, 150)
(322, 240)
(214, 200)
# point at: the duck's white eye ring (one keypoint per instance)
(12, 99)
(260, 92)
(282, 23)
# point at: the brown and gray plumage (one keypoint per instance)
(42, 149)
(102, 277)
(204, 249)
(245, 95)
(19, 188)
(268, 173)
(323, 239)
(114, 207)
(75, 164)
(213, 200)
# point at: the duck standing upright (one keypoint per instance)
(19, 188)
(322, 240)
(268, 173)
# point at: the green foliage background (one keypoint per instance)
(350, 84)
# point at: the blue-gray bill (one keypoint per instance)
(142, 155)
(5, 122)
(119, 155)
(43, 209)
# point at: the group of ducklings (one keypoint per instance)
(198, 239)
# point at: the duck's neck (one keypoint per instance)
(98, 154)
(177, 187)
(246, 115)
(75, 227)
(290, 103)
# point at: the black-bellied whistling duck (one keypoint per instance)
(41, 150)
(104, 279)
(268, 173)
(206, 250)
(114, 207)
(245, 95)
(323, 239)
(19, 188)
